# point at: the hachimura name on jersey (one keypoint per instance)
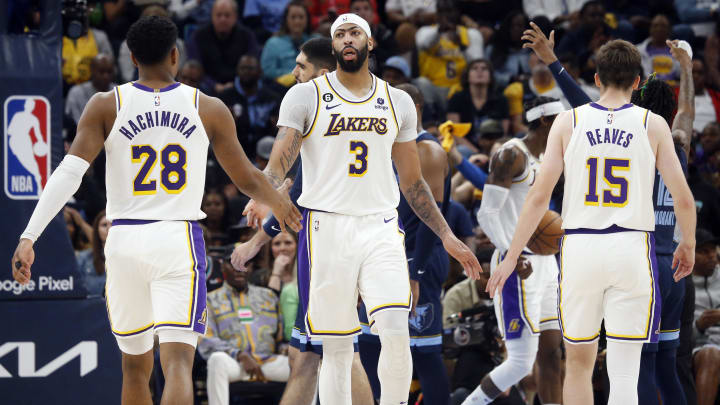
(156, 154)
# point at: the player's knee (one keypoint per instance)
(304, 363)
(521, 363)
(137, 366)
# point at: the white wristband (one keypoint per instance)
(63, 183)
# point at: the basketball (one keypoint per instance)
(545, 239)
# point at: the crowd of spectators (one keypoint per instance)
(468, 60)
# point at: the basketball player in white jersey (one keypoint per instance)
(608, 151)
(526, 308)
(350, 127)
(156, 134)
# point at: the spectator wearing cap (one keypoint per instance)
(384, 39)
(262, 151)
(479, 100)
(220, 44)
(706, 277)
(444, 49)
(253, 103)
(396, 71)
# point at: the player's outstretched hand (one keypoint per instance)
(255, 213)
(540, 44)
(463, 255)
(285, 211)
(242, 253)
(683, 260)
(500, 275)
(22, 260)
(678, 53)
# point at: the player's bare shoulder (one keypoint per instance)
(101, 107)
(658, 131)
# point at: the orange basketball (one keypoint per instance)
(546, 238)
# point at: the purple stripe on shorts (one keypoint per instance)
(133, 221)
(588, 231)
(512, 314)
(200, 318)
(303, 263)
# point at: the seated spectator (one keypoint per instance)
(706, 277)
(383, 38)
(79, 231)
(128, 71)
(396, 71)
(540, 83)
(265, 17)
(480, 99)
(592, 32)
(254, 105)
(702, 15)
(220, 44)
(243, 328)
(91, 262)
(570, 63)
(324, 12)
(102, 73)
(218, 221)
(414, 12)
(444, 50)
(77, 53)
(505, 50)
(280, 51)
(283, 278)
(707, 100)
(655, 53)
(193, 74)
(190, 11)
(708, 142)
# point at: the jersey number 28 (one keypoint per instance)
(173, 161)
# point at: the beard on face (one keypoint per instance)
(351, 66)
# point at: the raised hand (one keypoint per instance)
(540, 44)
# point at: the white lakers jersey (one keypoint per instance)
(518, 191)
(609, 169)
(156, 154)
(346, 149)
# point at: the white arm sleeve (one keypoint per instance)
(63, 183)
(488, 216)
(295, 110)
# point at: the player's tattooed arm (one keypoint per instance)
(284, 153)
(505, 165)
(682, 127)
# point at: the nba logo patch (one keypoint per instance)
(27, 146)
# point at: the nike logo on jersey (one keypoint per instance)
(421, 272)
(275, 228)
(388, 220)
(330, 107)
(561, 70)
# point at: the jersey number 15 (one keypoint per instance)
(616, 195)
(173, 161)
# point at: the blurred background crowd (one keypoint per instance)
(467, 59)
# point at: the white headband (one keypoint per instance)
(544, 110)
(350, 18)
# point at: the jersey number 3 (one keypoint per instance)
(617, 193)
(173, 161)
(360, 150)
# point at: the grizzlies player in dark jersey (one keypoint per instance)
(658, 370)
(429, 264)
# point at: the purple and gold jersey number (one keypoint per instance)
(359, 167)
(616, 195)
(173, 161)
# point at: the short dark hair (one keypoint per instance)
(618, 64)
(532, 104)
(589, 4)
(319, 52)
(151, 39)
(355, 1)
(656, 96)
(415, 94)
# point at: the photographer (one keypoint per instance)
(471, 337)
(80, 43)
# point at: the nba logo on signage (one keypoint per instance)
(26, 132)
